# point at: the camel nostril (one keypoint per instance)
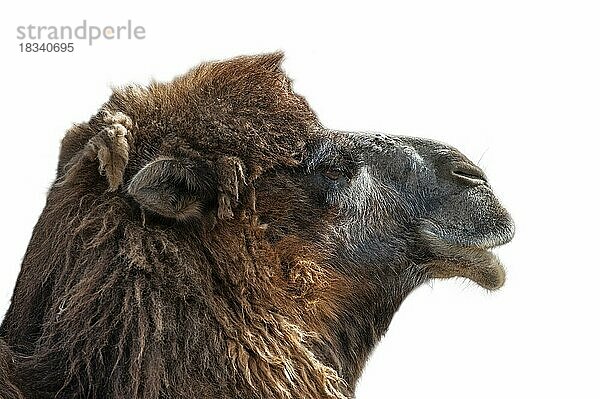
(469, 173)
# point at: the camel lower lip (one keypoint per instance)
(479, 265)
(473, 262)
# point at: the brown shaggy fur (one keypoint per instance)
(145, 304)
(173, 260)
(8, 389)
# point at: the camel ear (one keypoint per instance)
(175, 188)
(109, 147)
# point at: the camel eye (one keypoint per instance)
(332, 173)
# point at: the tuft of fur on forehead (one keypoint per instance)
(243, 107)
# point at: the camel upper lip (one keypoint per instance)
(486, 241)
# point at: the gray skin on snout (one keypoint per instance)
(417, 206)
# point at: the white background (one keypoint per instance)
(515, 83)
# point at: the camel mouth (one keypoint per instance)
(473, 259)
